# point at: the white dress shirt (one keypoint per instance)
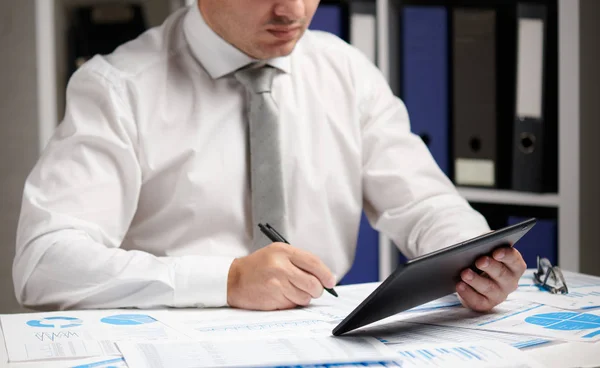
(141, 198)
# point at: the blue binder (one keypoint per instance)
(402, 259)
(366, 260)
(541, 240)
(425, 77)
(328, 18)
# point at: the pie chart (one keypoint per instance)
(128, 319)
(567, 321)
(55, 322)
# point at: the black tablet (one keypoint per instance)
(428, 277)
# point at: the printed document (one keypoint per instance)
(79, 334)
(261, 352)
(103, 363)
(475, 354)
(336, 309)
(402, 333)
(208, 323)
(521, 317)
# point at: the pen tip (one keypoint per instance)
(332, 292)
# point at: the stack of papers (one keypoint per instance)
(336, 309)
(256, 352)
(401, 333)
(79, 334)
(437, 334)
(321, 352)
(226, 322)
(522, 317)
(476, 354)
(530, 312)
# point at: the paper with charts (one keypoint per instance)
(219, 322)
(464, 355)
(334, 309)
(258, 352)
(319, 319)
(101, 362)
(522, 317)
(323, 352)
(584, 292)
(37, 336)
(399, 333)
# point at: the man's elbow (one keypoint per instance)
(34, 293)
(40, 301)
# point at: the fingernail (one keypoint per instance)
(500, 254)
(485, 263)
(461, 286)
(468, 275)
(333, 281)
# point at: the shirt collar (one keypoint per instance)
(216, 55)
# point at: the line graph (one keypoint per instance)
(53, 336)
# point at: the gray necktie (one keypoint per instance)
(266, 178)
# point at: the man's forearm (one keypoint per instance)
(76, 272)
(433, 223)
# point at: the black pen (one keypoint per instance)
(275, 236)
(269, 234)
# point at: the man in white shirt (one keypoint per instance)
(143, 196)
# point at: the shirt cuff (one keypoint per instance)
(477, 227)
(201, 281)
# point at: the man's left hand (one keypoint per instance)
(502, 272)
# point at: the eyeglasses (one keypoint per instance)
(550, 277)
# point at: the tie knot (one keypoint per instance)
(257, 80)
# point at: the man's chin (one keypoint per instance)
(280, 49)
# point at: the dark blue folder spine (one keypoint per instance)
(328, 18)
(541, 240)
(425, 77)
(366, 261)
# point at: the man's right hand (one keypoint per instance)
(277, 276)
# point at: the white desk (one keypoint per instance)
(559, 355)
(571, 354)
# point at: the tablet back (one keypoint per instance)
(428, 277)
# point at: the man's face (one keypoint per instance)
(262, 29)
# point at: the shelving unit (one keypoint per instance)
(509, 197)
(574, 194)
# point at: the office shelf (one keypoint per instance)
(509, 197)
(578, 200)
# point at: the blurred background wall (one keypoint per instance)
(18, 127)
